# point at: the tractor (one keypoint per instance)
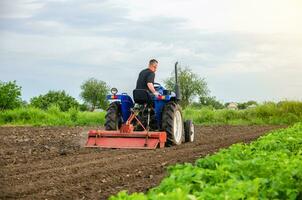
(147, 122)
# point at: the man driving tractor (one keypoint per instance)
(146, 78)
(154, 122)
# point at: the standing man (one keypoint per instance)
(146, 78)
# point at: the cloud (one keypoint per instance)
(58, 44)
(257, 16)
(77, 14)
(19, 8)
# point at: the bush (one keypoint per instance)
(210, 101)
(83, 107)
(10, 95)
(74, 114)
(54, 98)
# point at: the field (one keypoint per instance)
(51, 163)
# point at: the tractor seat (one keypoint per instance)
(142, 96)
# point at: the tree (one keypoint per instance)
(211, 101)
(10, 95)
(58, 98)
(94, 93)
(191, 85)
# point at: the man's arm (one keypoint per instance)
(150, 81)
(151, 87)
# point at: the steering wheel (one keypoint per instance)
(156, 85)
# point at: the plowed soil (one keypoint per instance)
(51, 162)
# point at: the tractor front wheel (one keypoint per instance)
(189, 131)
(172, 123)
(113, 119)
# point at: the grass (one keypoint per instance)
(50, 117)
(282, 113)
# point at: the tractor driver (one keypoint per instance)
(146, 78)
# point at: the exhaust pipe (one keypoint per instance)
(177, 88)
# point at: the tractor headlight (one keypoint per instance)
(114, 91)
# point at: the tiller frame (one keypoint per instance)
(126, 137)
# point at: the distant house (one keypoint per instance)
(232, 106)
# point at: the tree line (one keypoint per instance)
(194, 92)
(93, 93)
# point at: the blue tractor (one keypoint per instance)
(146, 122)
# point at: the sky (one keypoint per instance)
(245, 50)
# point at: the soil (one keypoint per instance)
(51, 162)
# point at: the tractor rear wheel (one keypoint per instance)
(172, 123)
(113, 119)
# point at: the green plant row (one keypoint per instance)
(51, 117)
(286, 112)
(268, 168)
